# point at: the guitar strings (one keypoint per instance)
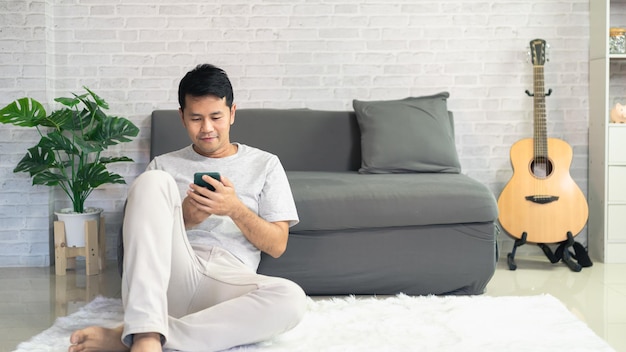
(542, 168)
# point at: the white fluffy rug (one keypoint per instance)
(400, 323)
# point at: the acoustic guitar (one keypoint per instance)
(541, 201)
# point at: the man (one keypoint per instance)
(191, 254)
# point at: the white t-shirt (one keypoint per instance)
(260, 183)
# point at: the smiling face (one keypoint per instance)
(208, 120)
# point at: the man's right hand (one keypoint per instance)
(194, 209)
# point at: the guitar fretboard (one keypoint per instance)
(540, 128)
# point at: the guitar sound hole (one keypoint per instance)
(541, 167)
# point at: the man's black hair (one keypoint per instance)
(203, 80)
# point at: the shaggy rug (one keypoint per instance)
(398, 323)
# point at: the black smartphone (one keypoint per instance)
(197, 179)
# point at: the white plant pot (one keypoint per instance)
(75, 224)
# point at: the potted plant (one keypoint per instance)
(68, 154)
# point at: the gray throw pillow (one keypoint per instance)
(415, 134)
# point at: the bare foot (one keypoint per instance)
(148, 342)
(96, 338)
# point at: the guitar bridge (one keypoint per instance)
(542, 199)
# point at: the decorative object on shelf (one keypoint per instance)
(618, 113)
(617, 40)
(68, 154)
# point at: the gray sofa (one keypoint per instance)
(363, 233)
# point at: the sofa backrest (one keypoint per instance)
(303, 139)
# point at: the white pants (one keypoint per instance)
(203, 300)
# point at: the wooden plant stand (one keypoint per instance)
(94, 250)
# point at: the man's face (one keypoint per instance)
(208, 120)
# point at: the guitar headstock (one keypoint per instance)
(538, 50)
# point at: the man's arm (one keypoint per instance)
(269, 237)
(200, 203)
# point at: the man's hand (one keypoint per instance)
(201, 203)
(222, 201)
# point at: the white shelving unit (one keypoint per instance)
(607, 141)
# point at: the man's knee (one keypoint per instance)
(151, 180)
(294, 301)
(153, 177)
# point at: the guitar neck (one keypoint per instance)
(540, 134)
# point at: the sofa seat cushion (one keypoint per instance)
(349, 200)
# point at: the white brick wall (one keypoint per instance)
(316, 54)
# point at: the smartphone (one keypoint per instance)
(197, 179)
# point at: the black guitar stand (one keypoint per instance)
(562, 253)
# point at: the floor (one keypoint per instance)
(31, 298)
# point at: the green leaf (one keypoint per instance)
(108, 160)
(101, 103)
(25, 112)
(57, 119)
(93, 175)
(48, 178)
(70, 102)
(94, 112)
(112, 131)
(83, 121)
(56, 141)
(87, 146)
(36, 161)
